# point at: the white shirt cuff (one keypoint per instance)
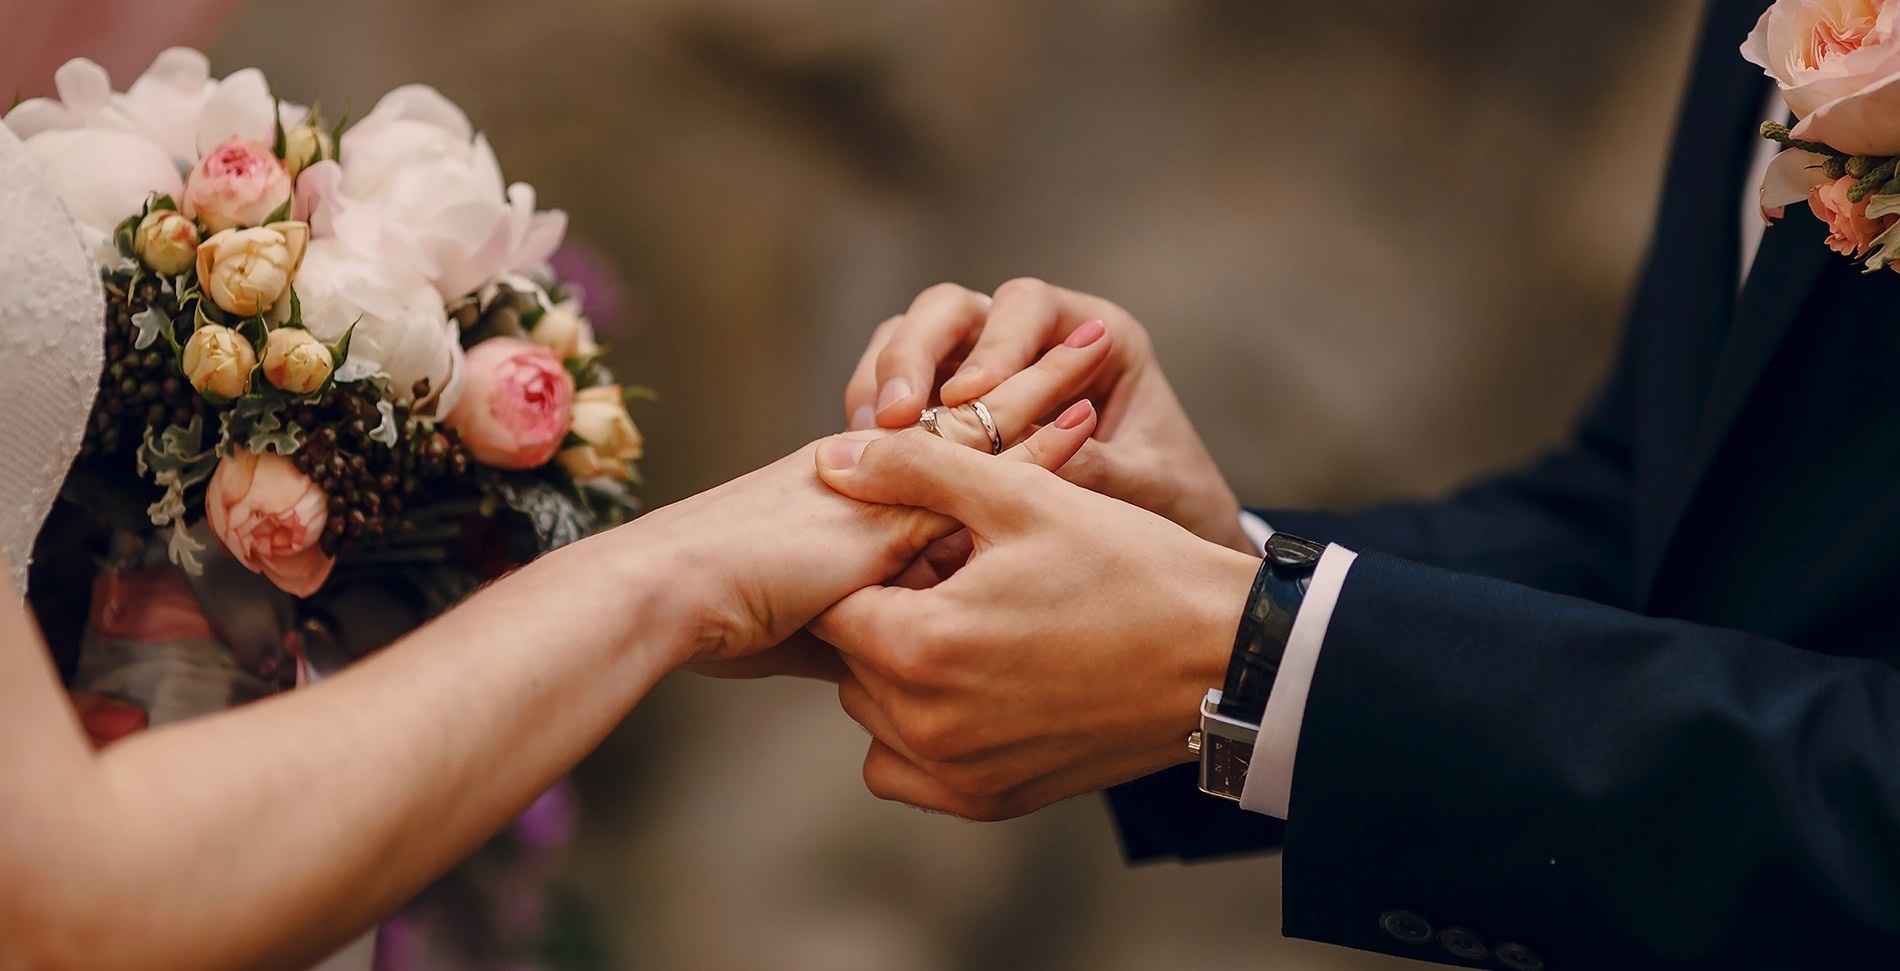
(1257, 531)
(1270, 775)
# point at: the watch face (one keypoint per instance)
(1224, 766)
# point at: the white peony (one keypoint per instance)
(107, 152)
(175, 105)
(402, 329)
(103, 177)
(417, 185)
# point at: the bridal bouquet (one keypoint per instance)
(341, 388)
(1837, 63)
(329, 345)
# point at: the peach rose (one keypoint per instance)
(609, 440)
(1850, 231)
(1838, 65)
(270, 517)
(239, 184)
(513, 412)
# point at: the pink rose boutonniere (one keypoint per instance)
(1837, 63)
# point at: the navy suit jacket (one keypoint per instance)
(1635, 706)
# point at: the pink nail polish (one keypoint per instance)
(1086, 334)
(1076, 415)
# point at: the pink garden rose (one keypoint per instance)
(239, 184)
(513, 413)
(270, 517)
(1838, 65)
(1850, 231)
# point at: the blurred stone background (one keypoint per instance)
(1381, 246)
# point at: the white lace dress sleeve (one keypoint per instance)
(52, 341)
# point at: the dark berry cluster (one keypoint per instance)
(370, 484)
(137, 389)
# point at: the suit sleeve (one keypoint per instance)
(1604, 789)
(1562, 525)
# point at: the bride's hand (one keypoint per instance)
(754, 560)
(1146, 453)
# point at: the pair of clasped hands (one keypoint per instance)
(1011, 630)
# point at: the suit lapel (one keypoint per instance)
(1792, 257)
(1684, 310)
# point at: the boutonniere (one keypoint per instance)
(1837, 63)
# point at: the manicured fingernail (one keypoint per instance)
(1076, 415)
(841, 453)
(864, 418)
(1087, 334)
(894, 391)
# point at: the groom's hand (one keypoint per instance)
(1068, 654)
(1146, 451)
(762, 555)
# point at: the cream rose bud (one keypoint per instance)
(564, 331)
(239, 184)
(219, 361)
(166, 241)
(246, 271)
(601, 421)
(305, 145)
(296, 361)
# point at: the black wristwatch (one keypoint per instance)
(1230, 714)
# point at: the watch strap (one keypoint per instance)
(1265, 626)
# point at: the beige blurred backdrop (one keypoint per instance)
(1381, 246)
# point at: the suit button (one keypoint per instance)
(1460, 942)
(1406, 926)
(1517, 957)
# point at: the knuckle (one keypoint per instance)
(942, 295)
(1024, 288)
(929, 736)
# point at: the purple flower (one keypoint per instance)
(549, 823)
(588, 270)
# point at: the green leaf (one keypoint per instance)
(257, 326)
(161, 203)
(257, 421)
(336, 134)
(176, 459)
(280, 143)
(183, 550)
(340, 351)
(553, 516)
(151, 322)
(125, 236)
(201, 318)
(585, 369)
(281, 213)
(296, 311)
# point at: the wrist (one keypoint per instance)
(1218, 598)
(633, 579)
